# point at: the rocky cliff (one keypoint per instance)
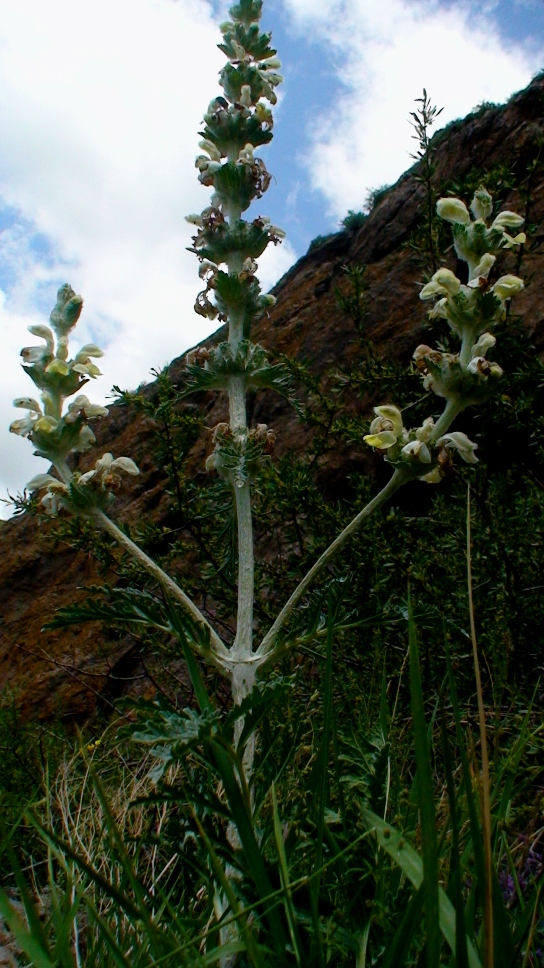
(70, 670)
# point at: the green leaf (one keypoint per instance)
(123, 605)
(397, 952)
(409, 861)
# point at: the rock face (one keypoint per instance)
(70, 670)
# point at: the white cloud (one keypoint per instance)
(101, 104)
(386, 53)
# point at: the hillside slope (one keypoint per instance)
(68, 671)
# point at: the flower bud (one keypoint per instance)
(239, 51)
(485, 343)
(388, 417)
(485, 265)
(482, 204)
(40, 481)
(433, 477)
(43, 332)
(23, 427)
(245, 95)
(85, 439)
(67, 310)
(443, 283)
(424, 432)
(416, 450)
(58, 368)
(479, 366)
(46, 425)
(28, 403)
(453, 210)
(212, 149)
(456, 440)
(508, 220)
(90, 349)
(507, 286)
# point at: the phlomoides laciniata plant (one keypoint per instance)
(236, 125)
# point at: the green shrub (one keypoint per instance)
(320, 240)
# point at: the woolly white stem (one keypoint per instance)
(452, 409)
(63, 469)
(242, 648)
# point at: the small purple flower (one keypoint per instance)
(508, 887)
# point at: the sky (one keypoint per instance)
(100, 105)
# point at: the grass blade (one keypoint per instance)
(319, 778)
(411, 865)
(111, 943)
(25, 938)
(255, 861)
(426, 800)
(475, 830)
(489, 959)
(35, 925)
(397, 952)
(249, 941)
(195, 675)
(455, 864)
(284, 874)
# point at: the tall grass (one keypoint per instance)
(357, 846)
